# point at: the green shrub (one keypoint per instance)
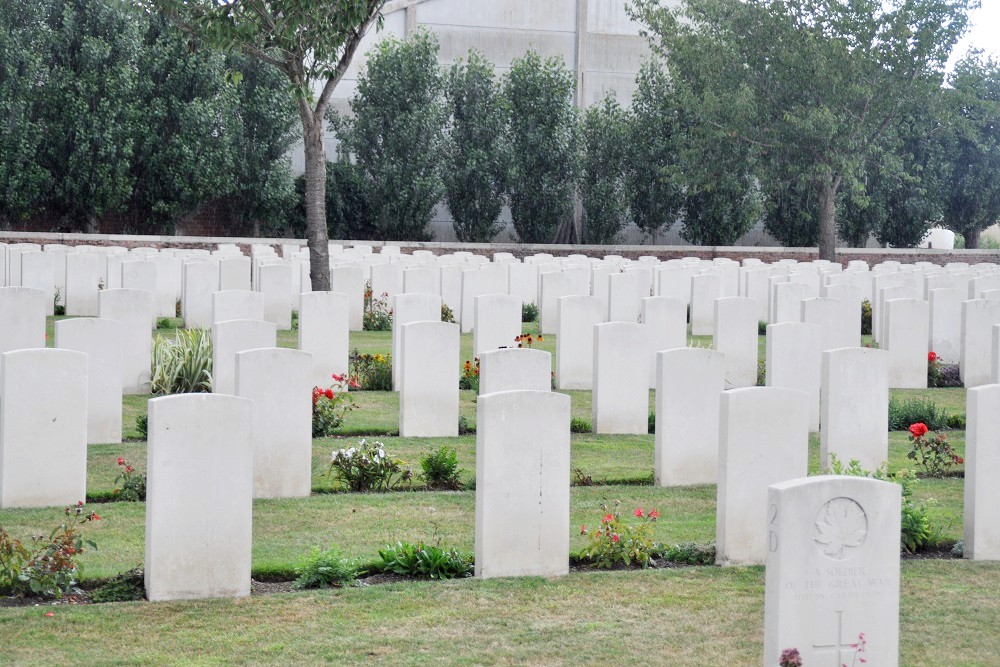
(465, 427)
(903, 413)
(956, 422)
(579, 425)
(651, 425)
(690, 553)
(329, 410)
(447, 315)
(142, 425)
(133, 484)
(866, 318)
(931, 451)
(368, 467)
(529, 312)
(372, 372)
(420, 560)
(182, 365)
(46, 567)
(440, 469)
(325, 568)
(615, 541)
(165, 323)
(127, 587)
(761, 327)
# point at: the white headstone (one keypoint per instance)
(498, 322)
(43, 428)
(134, 310)
(407, 308)
(234, 274)
(624, 300)
(832, 571)
(198, 520)
(906, 336)
(237, 305)
(276, 287)
(279, 382)
(234, 336)
(763, 440)
(794, 361)
(428, 391)
(736, 336)
(22, 318)
(688, 394)
(38, 272)
(522, 484)
(855, 406)
(102, 341)
(705, 289)
(350, 280)
(575, 341)
(978, 318)
(200, 281)
(786, 302)
(324, 334)
(621, 379)
(982, 458)
(82, 276)
(515, 369)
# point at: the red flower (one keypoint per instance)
(329, 394)
(919, 429)
(608, 518)
(129, 468)
(932, 357)
(121, 461)
(95, 516)
(654, 515)
(338, 378)
(49, 614)
(958, 459)
(79, 503)
(615, 538)
(638, 512)
(583, 530)
(354, 384)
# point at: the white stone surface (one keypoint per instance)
(575, 341)
(230, 337)
(786, 301)
(664, 320)
(234, 274)
(688, 395)
(855, 406)
(978, 318)
(735, 336)
(763, 440)
(475, 283)
(522, 484)
(168, 284)
(428, 391)
(793, 360)
(906, 336)
(522, 281)
(407, 308)
(324, 333)
(199, 503)
(134, 309)
(38, 272)
(102, 341)
(982, 459)
(832, 571)
(22, 318)
(497, 323)
(82, 276)
(200, 281)
(421, 280)
(946, 323)
(705, 289)
(276, 287)
(552, 286)
(43, 428)
(624, 300)
(279, 382)
(350, 280)
(621, 379)
(839, 321)
(515, 369)
(237, 305)
(387, 280)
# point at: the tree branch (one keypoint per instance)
(374, 7)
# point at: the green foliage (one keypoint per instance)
(329, 410)
(130, 485)
(321, 569)
(182, 365)
(615, 541)
(142, 425)
(372, 372)
(579, 425)
(529, 312)
(377, 314)
(866, 318)
(46, 567)
(421, 560)
(690, 553)
(447, 315)
(544, 146)
(933, 453)
(476, 165)
(441, 469)
(651, 422)
(348, 211)
(397, 135)
(603, 185)
(464, 426)
(368, 467)
(127, 587)
(908, 411)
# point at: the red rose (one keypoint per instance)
(615, 538)
(583, 530)
(653, 514)
(121, 461)
(607, 518)
(638, 512)
(919, 429)
(932, 357)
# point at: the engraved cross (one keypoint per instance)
(840, 647)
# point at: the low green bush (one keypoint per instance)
(325, 568)
(579, 425)
(903, 413)
(440, 469)
(127, 587)
(529, 312)
(420, 560)
(690, 553)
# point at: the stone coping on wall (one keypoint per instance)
(870, 255)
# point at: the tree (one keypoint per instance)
(652, 169)
(397, 135)
(544, 145)
(312, 42)
(477, 161)
(806, 85)
(602, 183)
(972, 151)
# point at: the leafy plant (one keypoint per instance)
(324, 568)
(603, 186)
(933, 454)
(934, 375)
(421, 560)
(579, 425)
(866, 318)
(58, 308)
(142, 425)
(329, 409)
(182, 365)
(529, 312)
(372, 372)
(165, 323)
(440, 469)
(464, 426)
(126, 587)
(615, 541)
(903, 413)
(368, 467)
(651, 422)
(690, 553)
(581, 479)
(447, 315)
(470, 376)
(377, 313)
(133, 484)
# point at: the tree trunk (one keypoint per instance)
(828, 219)
(972, 239)
(315, 176)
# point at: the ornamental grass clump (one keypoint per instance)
(617, 542)
(368, 467)
(182, 365)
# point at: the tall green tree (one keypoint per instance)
(476, 167)
(972, 150)
(312, 42)
(397, 135)
(544, 141)
(811, 85)
(603, 186)
(652, 170)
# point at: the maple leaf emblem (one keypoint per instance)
(841, 526)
